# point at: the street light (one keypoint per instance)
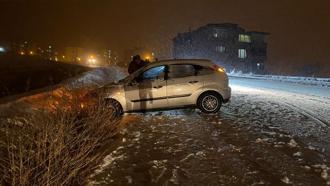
(91, 60)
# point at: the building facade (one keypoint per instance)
(226, 44)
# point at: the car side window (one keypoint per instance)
(180, 71)
(201, 70)
(153, 73)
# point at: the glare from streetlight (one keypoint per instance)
(91, 60)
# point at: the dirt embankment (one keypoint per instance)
(21, 74)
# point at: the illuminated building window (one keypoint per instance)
(220, 49)
(219, 33)
(244, 38)
(242, 53)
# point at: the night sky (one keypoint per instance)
(300, 29)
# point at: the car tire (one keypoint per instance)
(209, 102)
(116, 106)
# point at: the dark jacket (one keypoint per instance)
(134, 66)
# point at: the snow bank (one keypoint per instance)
(97, 77)
(323, 82)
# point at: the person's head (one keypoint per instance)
(137, 58)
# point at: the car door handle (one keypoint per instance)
(193, 82)
(158, 87)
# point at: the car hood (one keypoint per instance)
(106, 90)
(110, 89)
(116, 85)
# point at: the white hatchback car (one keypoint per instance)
(171, 84)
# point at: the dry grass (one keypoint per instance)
(61, 147)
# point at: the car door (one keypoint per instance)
(182, 82)
(147, 90)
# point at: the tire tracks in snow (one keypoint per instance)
(308, 114)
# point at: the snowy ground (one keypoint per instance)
(323, 82)
(271, 133)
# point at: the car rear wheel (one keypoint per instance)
(209, 102)
(115, 106)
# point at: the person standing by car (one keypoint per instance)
(136, 64)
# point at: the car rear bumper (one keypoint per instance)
(227, 95)
(226, 100)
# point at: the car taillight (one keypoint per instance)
(218, 69)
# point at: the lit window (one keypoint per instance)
(259, 66)
(216, 35)
(244, 38)
(242, 53)
(220, 49)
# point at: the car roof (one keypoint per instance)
(201, 62)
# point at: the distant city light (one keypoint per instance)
(31, 52)
(91, 60)
(2, 49)
(22, 53)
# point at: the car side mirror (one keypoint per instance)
(138, 79)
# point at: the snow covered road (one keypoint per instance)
(271, 133)
(312, 101)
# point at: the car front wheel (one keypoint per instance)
(209, 102)
(115, 106)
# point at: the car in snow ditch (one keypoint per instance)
(170, 84)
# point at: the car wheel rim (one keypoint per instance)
(210, 103)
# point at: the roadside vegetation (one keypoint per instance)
(61, 146)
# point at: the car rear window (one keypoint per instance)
(202, 70)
